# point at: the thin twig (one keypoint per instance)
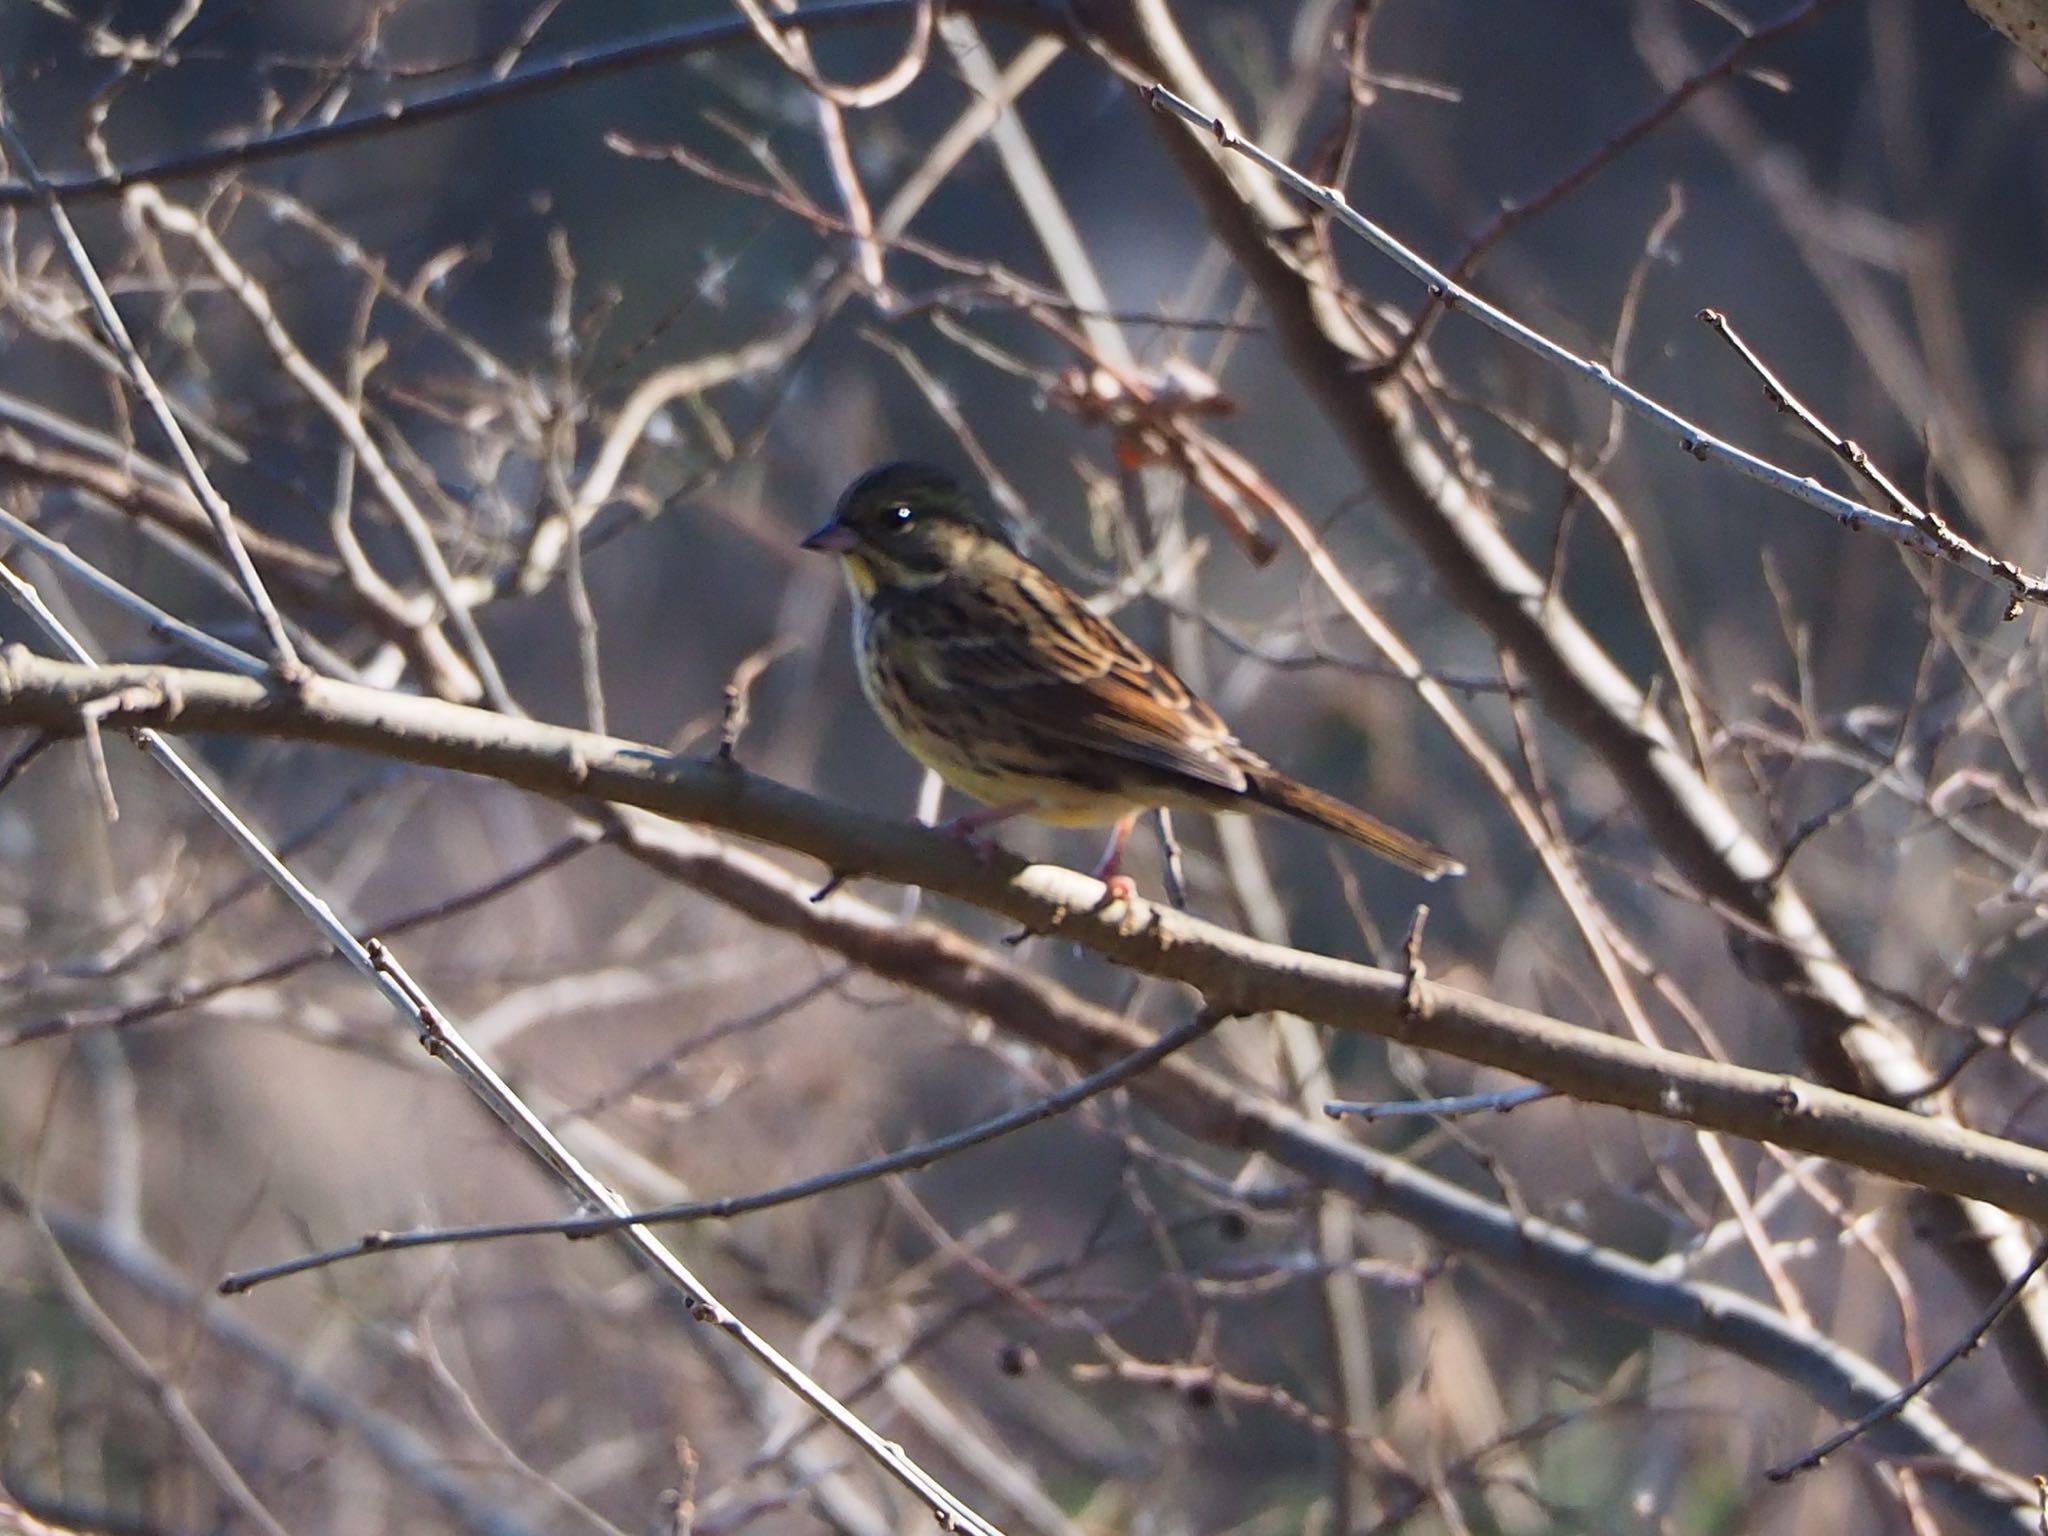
(1460, 1104)
(1241, 973)
(447, 1044)
(1951, 544)
(1518, 211)
(1889, 1408)
(572, 68)
(1695, 440)
(218, 513)
(163, 624)
(170, 1401)
(923, 1155)
(321, 390)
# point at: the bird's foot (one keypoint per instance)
(1121, 887)
(984, 849)
(966, 829)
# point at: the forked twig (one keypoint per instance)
(1967, 1344)
(1951, 544)
(922, 1155)
(1695, 440)
(447, 1043)
(144, 383)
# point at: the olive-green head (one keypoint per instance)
(907, 525)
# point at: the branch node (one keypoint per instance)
(1414, 1004)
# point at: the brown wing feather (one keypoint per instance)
(1275, 791)
(1070, 677)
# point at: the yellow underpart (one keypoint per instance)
(1060, 804)
(859, 577)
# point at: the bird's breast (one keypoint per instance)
(966, 734)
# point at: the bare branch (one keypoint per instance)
(1235, 973)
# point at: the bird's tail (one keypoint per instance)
(1277, 792)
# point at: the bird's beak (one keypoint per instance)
(834, 538)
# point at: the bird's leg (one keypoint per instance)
(1169, 848)
(969, 825)
(1121, 887)
(982, 817)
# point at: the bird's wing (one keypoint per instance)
(1070, 677)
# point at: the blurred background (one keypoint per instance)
(1077, 1326)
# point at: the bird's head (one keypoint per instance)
(904, 526)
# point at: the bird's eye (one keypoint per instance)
(902, 515)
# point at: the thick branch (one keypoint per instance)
(2024, 22)
(1235, 973)
(1850, 1043)
(1197, 1102)
(577, 67)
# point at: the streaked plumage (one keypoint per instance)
(997, 677)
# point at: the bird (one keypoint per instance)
(994, 674)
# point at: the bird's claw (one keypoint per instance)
(984, 849)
